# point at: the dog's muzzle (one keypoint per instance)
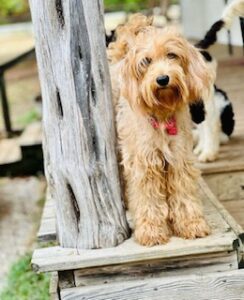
(163, 80)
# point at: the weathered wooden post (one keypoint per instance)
(79, 136)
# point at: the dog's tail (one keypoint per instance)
(235, 9)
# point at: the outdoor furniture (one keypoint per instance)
(4, 99)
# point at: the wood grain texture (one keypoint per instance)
(230, 157)
(236, 209)
(227, 186)
(53, 287)
(193, 264)
(221, 240)
(225, 234)
(47, 229)
(214, 286)
(79, 136)
(236, 227)
(221, 209)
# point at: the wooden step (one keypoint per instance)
(219, 286)
(10, 151)
(236, 209)
(204, 268)
(32, 135)
(224, 237)
(225, 176)
(230, 158)
(47, 229)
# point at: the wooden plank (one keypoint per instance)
(47, 229)
(10, 151)
(219, 286)
(221, 239)
(32, 135)
(157, 268)
(227, 186)
(53, 287)
(228, 218)
(58, 258)
(230, 158)
(236, 209)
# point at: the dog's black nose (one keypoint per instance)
(163, 80)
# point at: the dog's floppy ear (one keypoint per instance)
(200, 77)
(197, 111)
(129, 79)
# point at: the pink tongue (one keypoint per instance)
(171, 126)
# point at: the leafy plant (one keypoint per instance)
(29, 117)
(13, 7)
(127, 5)
(132, 5)
(24, 284)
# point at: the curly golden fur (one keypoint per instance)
(125, 35)
(158, 168)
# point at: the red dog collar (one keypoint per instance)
(170, 125)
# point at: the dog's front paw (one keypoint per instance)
(207, 156)
(192, 228)
(149, 234)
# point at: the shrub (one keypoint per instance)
(13, 7)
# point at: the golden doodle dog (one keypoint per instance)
(155, 74)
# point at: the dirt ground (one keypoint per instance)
(21, 201)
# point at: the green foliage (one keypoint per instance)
(28, 118)
(127, 5)
(132, 5)
(13, 7)
(24, 284)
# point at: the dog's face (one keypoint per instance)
(162, 71)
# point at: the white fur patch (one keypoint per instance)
(209, 134)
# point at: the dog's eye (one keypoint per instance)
(172, 55)
(145, 61)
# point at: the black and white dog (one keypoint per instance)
(213, 118)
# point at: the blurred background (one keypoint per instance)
(22, 183)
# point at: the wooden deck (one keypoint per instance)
(131, 271)
(224, 232)
(230, 163)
